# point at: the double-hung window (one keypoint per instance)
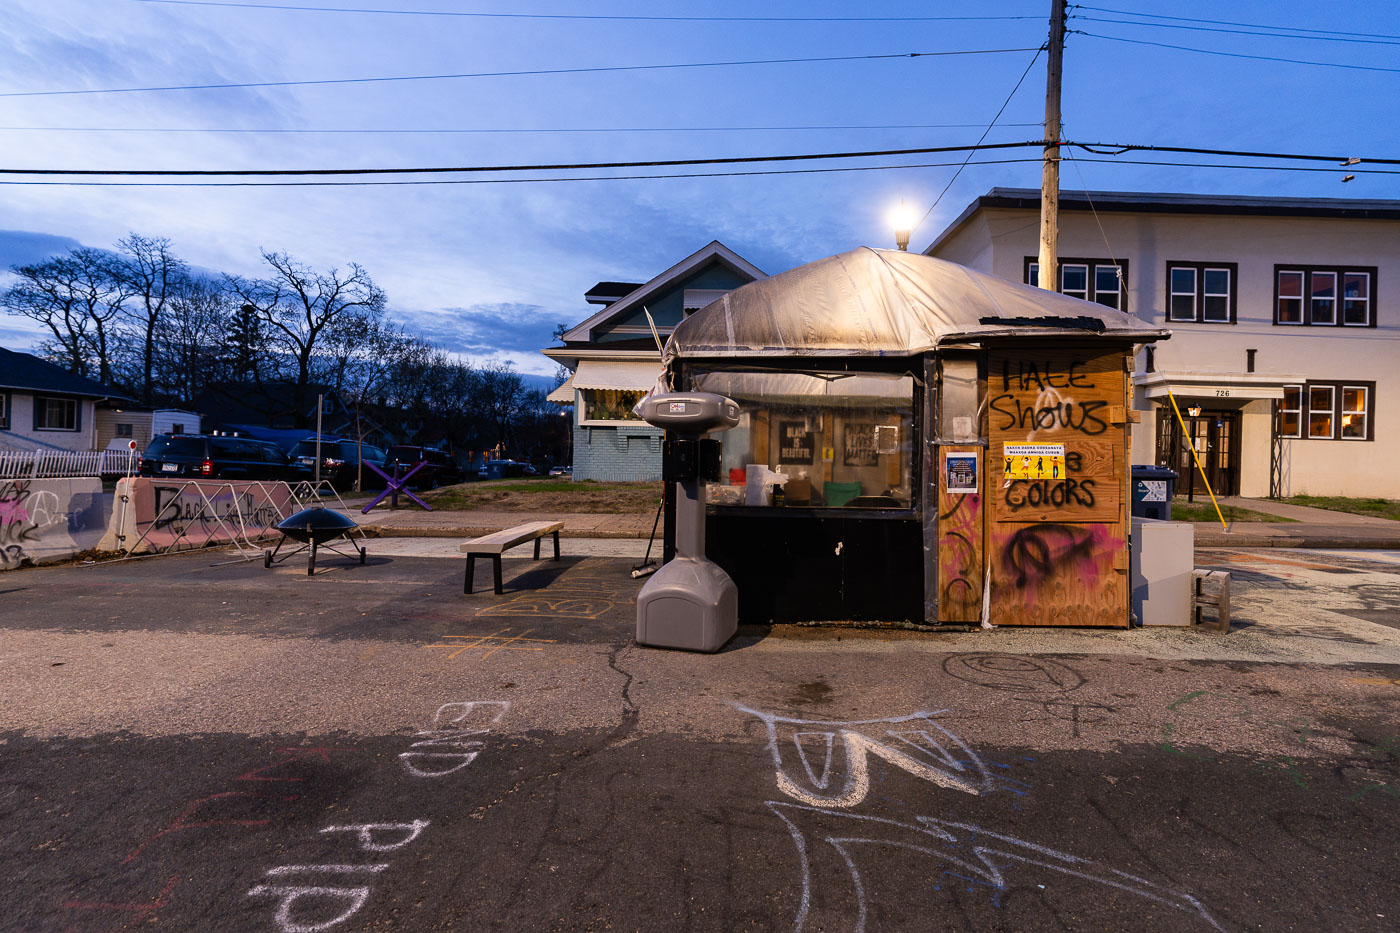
(1104, 281)
(1327, 411)
(1324, 296)
(4, 411)
(1201, 292)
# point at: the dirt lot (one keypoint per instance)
(548, 496)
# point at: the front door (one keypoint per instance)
(1215, 435)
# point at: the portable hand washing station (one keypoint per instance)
(689, 603)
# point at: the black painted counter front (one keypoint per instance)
(820, 565)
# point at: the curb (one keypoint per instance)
(1318, 543)
(475, 531)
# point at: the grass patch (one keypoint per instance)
(1376, 508)
(1203, 511)
(548, 496)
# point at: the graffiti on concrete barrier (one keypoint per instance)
(822, 767)
(48, 519)
(185, 511)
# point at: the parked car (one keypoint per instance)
(202, 456)
(342, 461)
(565, 471)
(501, 469)
(439, 468)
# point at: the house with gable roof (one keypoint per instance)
(613, 360)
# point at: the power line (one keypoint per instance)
(1098, 148)
(1226, 22)
(1263, 58)
(488, 130)
(576, 16)
(662, 163)
(1000, 110)
(746, 173)
(508, 74)
(1240, 32)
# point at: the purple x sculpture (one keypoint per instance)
(396, 485)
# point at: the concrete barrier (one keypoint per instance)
(154, 514)
(46, 520)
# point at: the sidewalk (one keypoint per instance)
(1314, 528)
(416, 523)
(1310, 528)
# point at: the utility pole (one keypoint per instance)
(1049, 259)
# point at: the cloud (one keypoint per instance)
(503, 332)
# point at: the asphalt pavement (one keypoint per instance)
(197, 743)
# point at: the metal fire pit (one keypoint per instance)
(313, 528)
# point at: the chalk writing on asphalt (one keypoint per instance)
(822, 767)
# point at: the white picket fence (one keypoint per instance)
(57, 464)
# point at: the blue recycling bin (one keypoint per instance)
(1153, 490)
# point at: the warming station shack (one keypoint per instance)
(951, 447)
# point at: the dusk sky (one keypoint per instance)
(488, 269)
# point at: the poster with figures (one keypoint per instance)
(1033, 461)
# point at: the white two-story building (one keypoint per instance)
(1284, 358)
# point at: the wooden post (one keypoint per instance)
(1049, 275)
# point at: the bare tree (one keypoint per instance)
(500, 396)
(189, 338)
(302, 310)
(150, 274)
(40, 296)
(76, 297)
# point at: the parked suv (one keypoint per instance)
(439, 468)
(202, 456)
(340, 461)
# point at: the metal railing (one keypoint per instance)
(238, 529)
(61, 464)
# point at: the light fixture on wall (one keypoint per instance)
(903, 220)
(1194, 411)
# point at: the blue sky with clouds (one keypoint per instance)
(488, 270)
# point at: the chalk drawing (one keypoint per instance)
(920, 746)
(336, 869)
(364, 833)
(956, 850)
(352, 900)
(497, 641)
(827, 785)
(452, 726)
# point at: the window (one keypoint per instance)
(122, 430)
(1100, 280)
(55, 414)
(1201, 292)
(4, 411)
(1323, 296)
(1320, 410)
(610, 404)
(1290, 412)
(1330, 411)
(831, 439)
(1355, 423)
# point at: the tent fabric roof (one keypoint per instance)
(616, 374)
(876, 302)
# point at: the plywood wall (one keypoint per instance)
(1057, 549)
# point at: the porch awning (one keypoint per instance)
(564, 395)
(616, 374)
(1215, 386)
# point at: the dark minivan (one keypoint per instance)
(202, 456)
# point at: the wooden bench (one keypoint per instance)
(1218, 600)
(498, 542)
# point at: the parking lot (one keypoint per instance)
(201, 743)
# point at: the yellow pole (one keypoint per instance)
(1191, 445)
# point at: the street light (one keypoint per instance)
(903, 220)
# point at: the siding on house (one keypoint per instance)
(630, 454)
(1208, 364)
